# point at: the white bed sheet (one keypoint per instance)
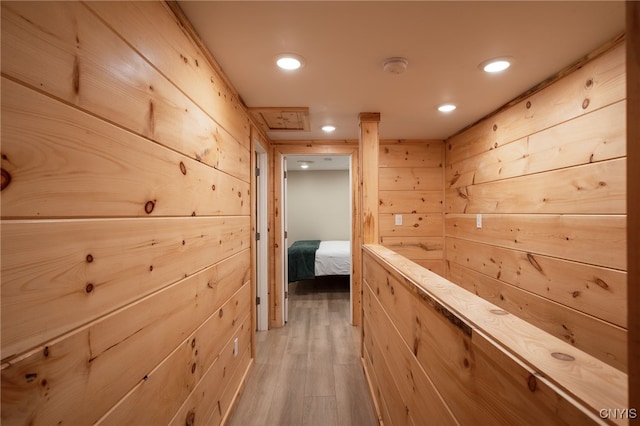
(333, 258)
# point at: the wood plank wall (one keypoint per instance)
(369, 154)
(125, 220)
(437, 354)
(548, 176)
(411, 179)
(633, 196)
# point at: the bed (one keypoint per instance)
(308, 259)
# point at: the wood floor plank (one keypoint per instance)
(319, 379)
(310, 371)
(346, 346)
(257, 397)
(320, 411)
(350, 407)
(287, 406)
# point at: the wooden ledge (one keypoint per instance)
(592, 383)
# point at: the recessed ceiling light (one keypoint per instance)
(446, 108)
(328, 128)
(289, 61)
(496, 64)
(304, 164)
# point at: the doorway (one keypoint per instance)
(317, 207)
(280, 286)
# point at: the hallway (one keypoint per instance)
(308, 372)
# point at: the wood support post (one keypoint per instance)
(369, 153)
(633, 197)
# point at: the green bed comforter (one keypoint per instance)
(302, 260)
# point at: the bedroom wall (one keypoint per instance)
(547, 174)
(125, 220)
(411, 185)
(318, 205)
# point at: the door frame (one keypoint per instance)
(260, 157)
(281, 150)
(284, 299)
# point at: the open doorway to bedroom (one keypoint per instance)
(347, 150)
(318, 215)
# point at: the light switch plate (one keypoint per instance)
(479, 221)
(398, 218)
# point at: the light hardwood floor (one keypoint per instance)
(308, 372)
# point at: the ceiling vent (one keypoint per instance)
(295, 119)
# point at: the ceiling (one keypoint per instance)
(318, 162)
(345, 43)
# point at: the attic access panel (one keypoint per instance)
(275, 119)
